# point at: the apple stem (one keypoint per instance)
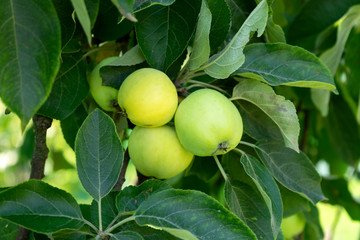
(220, 168)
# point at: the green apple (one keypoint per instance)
(104, 96)
(293, 225)
(207, 123)
(148, 97)
(157, 152)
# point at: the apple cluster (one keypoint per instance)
(206, 122)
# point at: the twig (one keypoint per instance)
(121, 178)
(39, 156)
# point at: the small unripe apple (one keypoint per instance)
(148, 97)
(293, 225)
(157, 152)
(207, 123)
(104, 96)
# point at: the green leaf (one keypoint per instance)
(250, 207)
(132, 57)
(92, 7)
(190, 214)
(220, 24)
(70, 125)
(108, 210)
(201, 48)
(273, 32)
(343, 131)
(332, 56)
(107, 27)
(313, 229)
(267, 188)
(125, 8)
(30, 43)
(293, 202)
(282, 64)
(293, 170)
(127, 235)
(64, 11)
(141, 5)
(281, 111)
(148, 233)
(352, 60)
(311, 20)
(40, 207)
(68, 235)
(222, 64)
(203, 167)
(69, 89)
(99, 154)
(83, 16)
(337, 191)
(240, 10)
(131, 197)
(163, 32)
(8, 230)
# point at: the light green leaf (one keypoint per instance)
(201, 49)
(191, 215)
(40, 207)
(222, 64)
(83, 16)
(332, 56)
(282, 64)
(132, 57)
(30, 44)
(293, 170)
(99, 154)
(274, 33)
(281, 111)
(125, 7)
(267, 188)
(141, 5)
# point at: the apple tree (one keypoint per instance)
(227, 109)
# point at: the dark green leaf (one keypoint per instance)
(293, 170)
(114, 76)
(313, 229)
(148, 233)
(131, 197)
(222, 64)
(203, 167)
(240, 10)
(126, 8)
(83, 16)
(69, 89)
(92, 7)
(8, 230)
(126, 235)
(343, 131)
(106, 27)
(220, 23)
(336, 190)
(108, 210)
(281, 111)
(311, 20)
(40, 207)
(273, 32)
(70, 125)
(163, 32)
(267, 188)
(191, 215)
(99, 154)
(282, 64)
(64, 10)
(68, 235)
(201, 48)
(30, 43)
(250, 207)
(352, 60)
(140, 4)
(293, 202)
